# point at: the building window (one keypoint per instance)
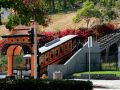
(66, 46)
(74, 43)
(61, 49)
(41, 59)
(51, 54)
(11, 40)
(70, 45)
(47, 57)
(56, 52)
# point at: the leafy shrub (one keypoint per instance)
(66, 32)
(76, 19)
(96, 31)
(31, 84)
(102, 30)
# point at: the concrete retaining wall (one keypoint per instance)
(78, 62)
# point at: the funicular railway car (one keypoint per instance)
(57, 51)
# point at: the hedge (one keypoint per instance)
(31, 84)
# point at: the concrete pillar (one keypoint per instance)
(10, 64)
(107, 54)
(32, 65)
(118, 56)
(118, 61)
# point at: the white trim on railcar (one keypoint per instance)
(55, 43)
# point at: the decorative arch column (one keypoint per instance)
(32, 65)
(10, 53)
(10, 65)
(32, 62)
(17, 50)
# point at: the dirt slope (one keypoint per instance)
(65, 22)
(3, 31)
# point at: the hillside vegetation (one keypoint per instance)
(62, 21)
(59, 21)
(80, 10)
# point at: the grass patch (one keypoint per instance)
(117, 73)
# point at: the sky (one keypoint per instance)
(5, 14)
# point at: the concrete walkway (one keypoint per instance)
(104, 84)
(2, 76)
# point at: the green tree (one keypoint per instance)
(87, 12)
(117, 7)
(3, 62)
(4, 3)
(108, 14)
(53, 5)
(117, 4)
(26, 9)
(65, 4)
(13, 21)
(1, 11)
(107, 3)
(18, 59)
(107, 10)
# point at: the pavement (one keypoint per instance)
(2, 76)
(104, 84)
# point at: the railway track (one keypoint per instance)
(109, 39)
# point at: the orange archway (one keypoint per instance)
(11, 51)
(17, 42)
(17, 50)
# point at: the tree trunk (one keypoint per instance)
(53, 5)
(65, 5)
(88, 20)
(0, 17)
(0, 20)
(50, 5)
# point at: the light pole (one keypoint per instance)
(89, 46)
(34, 41)
(89, 63)
(35, 51)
